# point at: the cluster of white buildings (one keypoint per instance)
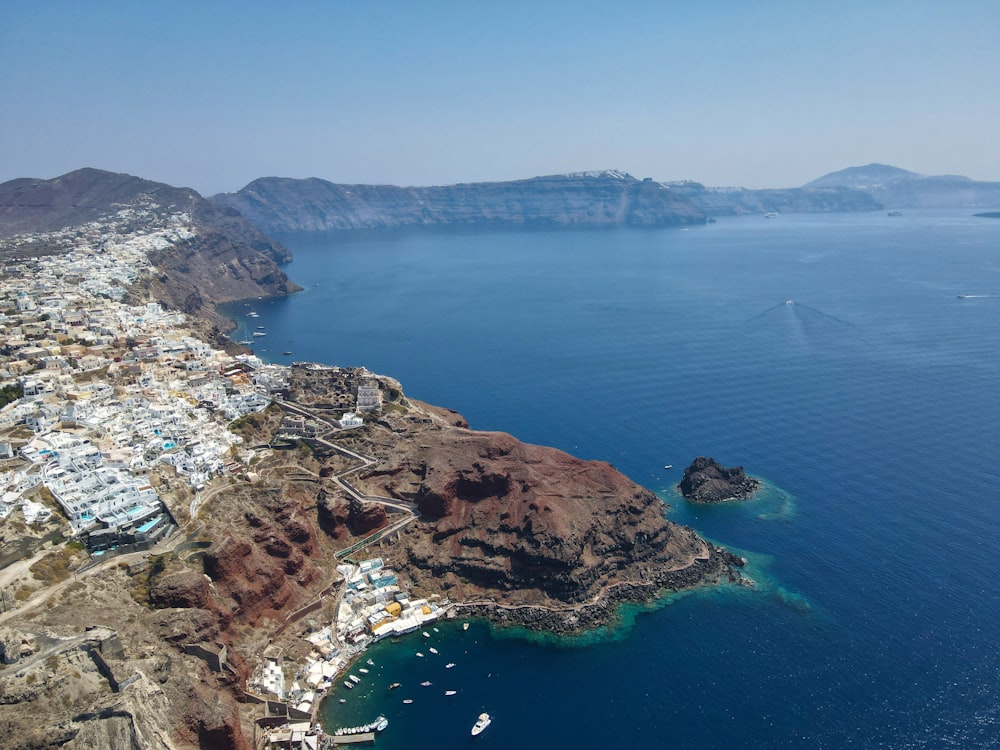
(110, 390)
(373, 606)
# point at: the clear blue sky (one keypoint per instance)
(760, 94)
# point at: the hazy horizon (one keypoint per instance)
(727, 94)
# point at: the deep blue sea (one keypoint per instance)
(829, 355)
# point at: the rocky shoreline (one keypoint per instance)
(721, 566)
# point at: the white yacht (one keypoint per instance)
(481, 723)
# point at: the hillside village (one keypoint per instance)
(183, 545)
(108, 400)
(104, 392)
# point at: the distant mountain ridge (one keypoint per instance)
(717, 201)
(583, 198)
(899, 188)
(597, 198)
(227, 258)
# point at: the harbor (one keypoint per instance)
(397, 680)
(370, 607)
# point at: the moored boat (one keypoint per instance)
(378, 725)
(482, 722)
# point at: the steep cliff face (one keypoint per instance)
(735, 201)
(597, 198)
(533, 523)
(513, 523)
(226, 258)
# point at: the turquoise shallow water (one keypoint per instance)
(869, 405)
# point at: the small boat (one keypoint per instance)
(286, 353)
(482, 722)
(771, 215)
(465, 626)
(436, 630)
(433, 650)
(354, 678)
(259, 333)
(420, 655)
(378, 725)
(369, 662)
(449, 665)
(343, 700)
(425, 634)
(349, 685)
(407, 700)
(260, 327)
(393, 686)
(245, 342)
(426, 683)
(450, 692)
(668, 466)
(363, 670)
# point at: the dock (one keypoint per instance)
(354, 739)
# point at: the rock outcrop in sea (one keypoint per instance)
(707, 481)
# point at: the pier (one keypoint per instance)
(354, 739)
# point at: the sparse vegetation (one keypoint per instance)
(54, 567)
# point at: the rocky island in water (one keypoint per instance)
(707, 481)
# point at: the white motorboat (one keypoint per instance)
(482, 722)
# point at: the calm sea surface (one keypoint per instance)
(870, 404)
